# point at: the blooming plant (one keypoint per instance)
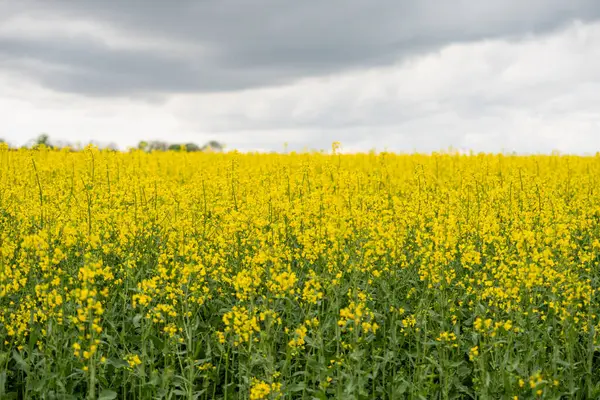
(306, 275)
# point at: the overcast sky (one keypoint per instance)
(494, 75)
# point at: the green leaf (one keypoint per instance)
(107, 395)
(117, 362)
(33, 337)
(158, 344)
(154, 379)
(39, 386)
(296, 387)
(21, 364)
(136, 320)
(320, 395)
(401, 388)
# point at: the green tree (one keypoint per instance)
(190, 147)
(157, 145)
(42, 140)
(213, 145)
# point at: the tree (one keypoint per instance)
(189, 147)
(112, 146)
(43, 139)
(218, 146)
(213, 145)
(157, 145)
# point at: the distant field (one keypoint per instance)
(222, 276)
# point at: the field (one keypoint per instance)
(300, 276)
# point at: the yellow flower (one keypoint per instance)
(133, 360)
(261, 390)
(474, 352)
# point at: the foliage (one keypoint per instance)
(220, 276)
(187, 147)
(42, 140)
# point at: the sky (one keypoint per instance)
(268, 75)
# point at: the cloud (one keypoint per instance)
(538, 93)
(138, 48)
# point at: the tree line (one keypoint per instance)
(157, 145)
(152, 145)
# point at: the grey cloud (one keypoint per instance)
(89, 66)
(260, 43)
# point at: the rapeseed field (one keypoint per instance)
(171, 275)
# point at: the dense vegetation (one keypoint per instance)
(220, 275)
(148, 146)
